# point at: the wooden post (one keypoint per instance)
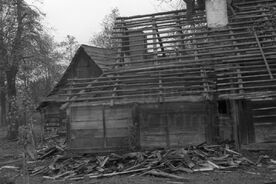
(114, 92)
(157, 39)
(68, 116)
(104, 129)
(247, 125)
(120, 59)
(68, 124)
(161, 98)
(202, 69)
(239, 74)
(42, 123)
(136, 124)
(236, 120)
(181, 43)
(155, 48)
(167, 129)
(211, 121)
(251, 128)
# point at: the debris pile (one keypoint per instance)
(267, 161)
(164, 163)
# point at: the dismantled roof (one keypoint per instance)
(102, 57)
(167, 57)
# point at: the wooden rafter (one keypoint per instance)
(228, 62)
(263, 55)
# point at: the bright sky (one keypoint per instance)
(82, 18)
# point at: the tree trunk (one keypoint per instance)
(11, 72)
(12, 105)
(2, 99)
(3, 54)
(11, 78)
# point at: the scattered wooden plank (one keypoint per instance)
(166, 175)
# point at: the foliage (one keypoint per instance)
(20, 33)
(103, 38)
(12, 117)
(172, 4)
(262, 27)
(19, 37)
(29, 58)
(40, 73)
(184, 4)
(25, 104)
(68, 48)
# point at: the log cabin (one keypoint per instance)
(87, 62)
(181, 81)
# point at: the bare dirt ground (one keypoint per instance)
(251, 175)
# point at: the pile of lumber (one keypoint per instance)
(171, 163)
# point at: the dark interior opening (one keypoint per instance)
(223, 107)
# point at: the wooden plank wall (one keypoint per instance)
(86, 128)
(264, 117)
(118, 124)
(100, 128)
(173, 124)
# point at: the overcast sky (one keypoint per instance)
(82, 18)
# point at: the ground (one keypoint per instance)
(253, 175)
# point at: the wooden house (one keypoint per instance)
(88, 62)
(181, 82)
